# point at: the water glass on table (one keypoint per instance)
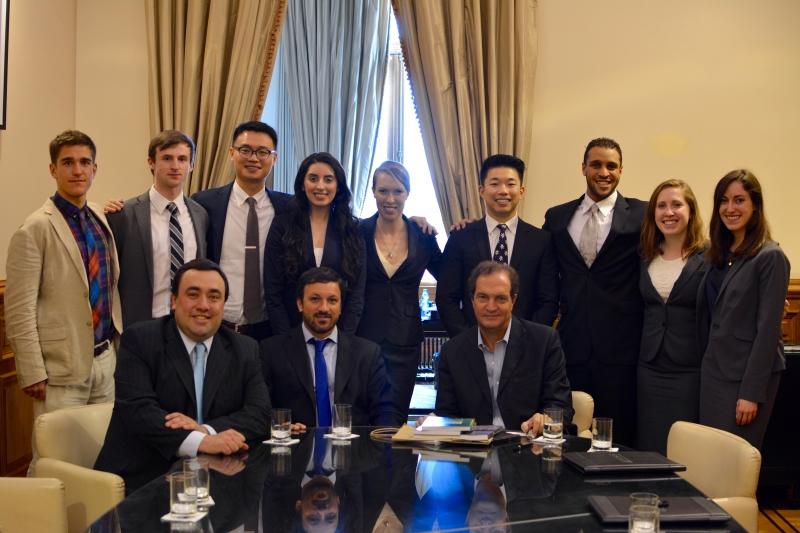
(198, 467)
(643, 519)
(602, 433)
(648, 499)
(281, 426)
(553, 423)
(182, 493)
(342, 419)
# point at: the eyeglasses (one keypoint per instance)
(261, 153)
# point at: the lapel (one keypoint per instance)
(61, 228)
(191, 207)
(519, 244)
(480, 239)
(620, 217)
(216, 365)
(369, 241)
(514, 351)
(223, 196)
(179, 357)
(693, 263)
(141, 213)
(561, 230)
(649, 285)
(344, 366)
(330, 250)
(414, 239)
(728, 277)
(477, 365)
(298, 359)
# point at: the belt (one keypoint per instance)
(101, 347)
(245, 329)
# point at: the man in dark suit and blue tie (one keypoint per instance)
(159, 230)
(183, 385)
(240, 215)
(503, 237)
(316, 365)
(596, 239)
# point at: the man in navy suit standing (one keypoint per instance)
(596, 239)
(505, 238)
(239, 216)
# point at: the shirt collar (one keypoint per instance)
(491, 224)
(67, 208)
(307, 335)
(482, 346)
(190, 343)
(605, 205)
(240, 197)
(160, 202)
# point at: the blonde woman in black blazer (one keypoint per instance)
(741, 310)
(668, 373)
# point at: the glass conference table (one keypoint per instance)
(363, 485)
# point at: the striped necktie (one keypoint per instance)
(175, 240)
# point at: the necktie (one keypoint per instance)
(319, 454)
(253, 303)
(588, 243)
(321, 383)
(92, 274)
(198, 362)
(501, 250)
(175, 240)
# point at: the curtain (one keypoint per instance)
(333, 57)
(472, 65)
(210, 66)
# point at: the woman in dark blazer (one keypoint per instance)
(398, 253)
(741, 310)
(320, 231)
(668, 374)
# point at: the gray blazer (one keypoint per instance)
(133, 236)
(743, 341)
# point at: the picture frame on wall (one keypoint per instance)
(3, 61)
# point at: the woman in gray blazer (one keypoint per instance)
(741, 310)
(668, 373)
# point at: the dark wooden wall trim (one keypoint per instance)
(791, 320)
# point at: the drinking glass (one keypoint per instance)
(198, 467)
(644, 498)
(553, 423)
(643, 519)
(602, 433)
(183, 493)
(342, 419)
(281, 425)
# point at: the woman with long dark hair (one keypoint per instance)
(320, 231)
(398, 253)
(668, 374)
(742, 304)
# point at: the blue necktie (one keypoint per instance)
(321, 383)
(198, 362)
(319, 454)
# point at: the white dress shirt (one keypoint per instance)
(494, 360)
(191, 443)
(605, 216)
(233, 242)
(494, 234)
(159, 233)
(329, 353)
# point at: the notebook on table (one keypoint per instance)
(621, 462)
(678, 509)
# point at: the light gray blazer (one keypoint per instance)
(743, 341)
(133, 236)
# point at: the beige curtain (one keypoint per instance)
(210, 66)
(472, 65)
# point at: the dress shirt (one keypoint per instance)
(159, 231)
(494, 234)
(233, 243)
(605, 216)
(329, 353)
(664, 273)
(494, 367)
(191, 443)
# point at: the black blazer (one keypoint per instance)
(360, 379)
(280, 290)
(671, 327)
(391, 307)
(601, 308)
(154, 377)
(215, 202)
(533, 376)
(133, 237)
(533, 258)
(742, 340)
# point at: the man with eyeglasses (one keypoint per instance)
(240, 215)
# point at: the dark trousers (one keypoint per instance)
(401, 371)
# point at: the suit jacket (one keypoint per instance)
(391, 307)
(533, 258)
(601, 308)
(742, 337)
(280, 290)
(670, 327)
(133, 236)
(154, 377)
(359, 379)
(215, 202)
(533, 376)
(48, 315)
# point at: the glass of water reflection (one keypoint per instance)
(553, 423)
(342, 419)
(198, 467)
(281, 425)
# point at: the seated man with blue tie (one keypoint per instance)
(315, 365)
(183, 385)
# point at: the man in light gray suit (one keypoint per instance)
(159, 230)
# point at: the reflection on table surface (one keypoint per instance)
(360, 485)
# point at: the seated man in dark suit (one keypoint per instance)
(503, 237)
(183, 385)
(315, 365)
(505, 370)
